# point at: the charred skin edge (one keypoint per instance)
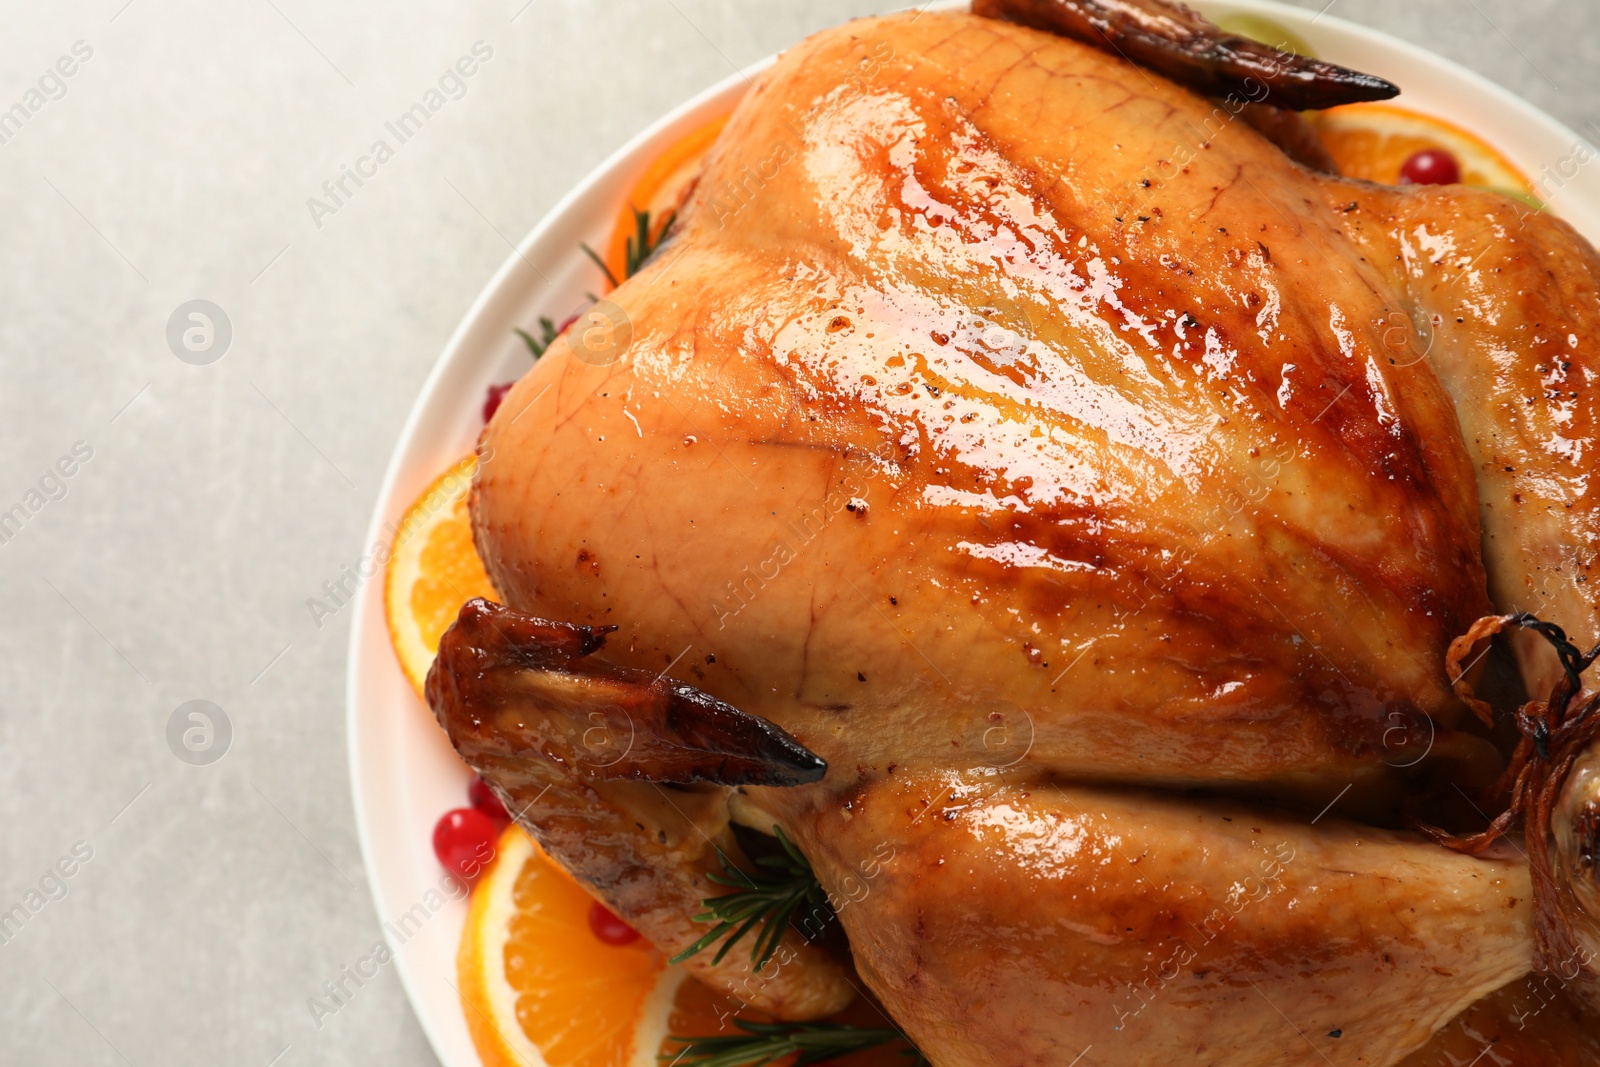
(1174, 41)
(526, 686)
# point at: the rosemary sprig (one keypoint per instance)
(767, 1043)
(638, 248)
(547, 328)
(600, 262)
(758, 899)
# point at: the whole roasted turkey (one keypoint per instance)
(1083, 525)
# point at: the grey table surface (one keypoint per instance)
(207, 502)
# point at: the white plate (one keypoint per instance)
(403, 772)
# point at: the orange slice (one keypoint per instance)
(433, 570)
(539, 989)
(1373, 141)
(662, 189)
(537, 986)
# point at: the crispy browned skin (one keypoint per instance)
(1002, 417)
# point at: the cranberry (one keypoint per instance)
(1431, 166)
(464, 840)
(491, 402)
(482, 797)
(608, 928)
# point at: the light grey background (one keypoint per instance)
(177, 166)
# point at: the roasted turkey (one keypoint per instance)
(1132, 564)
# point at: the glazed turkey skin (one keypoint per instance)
(935, 410)
(1032, 441)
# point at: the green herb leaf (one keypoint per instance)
(601, 263)
(639, 246)
(759, 899)
(637, 249)
(767, 1043)
(538, 346)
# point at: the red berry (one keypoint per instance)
(482, 797)
(1431, 166)
(464, 841)
(608, 928)
(491, 402)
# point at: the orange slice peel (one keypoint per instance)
(538, 987)
(1373, 142)
(433, 569)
